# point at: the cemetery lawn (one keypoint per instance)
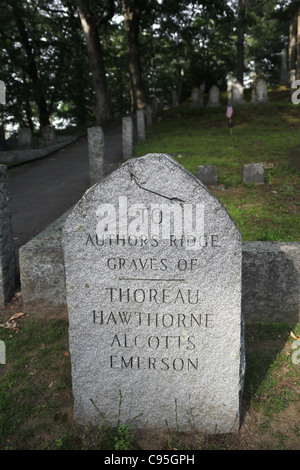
(261, 134)
(36, 403)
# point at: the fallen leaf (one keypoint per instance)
(294, 336)
(16, 315)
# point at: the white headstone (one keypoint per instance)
(261, 91)
(153, 276)
(214, 96)
(237, 94)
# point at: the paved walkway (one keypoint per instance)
(43, 190)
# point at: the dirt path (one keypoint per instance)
(42, 190)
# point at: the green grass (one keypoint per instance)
(36, 404)
(261, 134)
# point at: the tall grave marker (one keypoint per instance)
(153, 276)
(7, 250)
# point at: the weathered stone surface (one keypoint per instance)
(271, 281)
(207, 174)
(42, 271)
(261, 91)
(214, 96)
(237, 93)
(96, 153)
(253, 173)
(127, 137)
(7, 250)
(43, 277)
(155, 314)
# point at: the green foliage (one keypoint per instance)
(268, 212)
(120, 436)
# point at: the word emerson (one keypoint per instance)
(176, 364)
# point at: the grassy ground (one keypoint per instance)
(36, 404)
(261, 134)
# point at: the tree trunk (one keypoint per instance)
(90, 27)
(31, 68)
(292, 44)
(132, 14)
(240, 41)
(298, 46)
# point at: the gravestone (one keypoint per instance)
(49, 135)
(7, 249)
(140, 122)
(196, 98)
(96, 146)
(207, 174)
(253, 173)
(261, 92)
(237, 93)
(153, 278)
(127, 137)
(24, 138)
(214, 96)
